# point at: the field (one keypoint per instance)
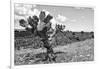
(72, 52)
(45, 36)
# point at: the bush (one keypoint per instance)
(61, 38)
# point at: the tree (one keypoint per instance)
(40, 27)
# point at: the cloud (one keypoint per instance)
(54, 21)
(25, 9)
(19, 16)
(33, 12)
(27, 6)
(61, 18)
(21, 11)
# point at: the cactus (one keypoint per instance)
(41, 29)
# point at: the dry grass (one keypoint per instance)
(75, 52)
(79, 51)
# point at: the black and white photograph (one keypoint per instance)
(48, 34)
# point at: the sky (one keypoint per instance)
(74, 18)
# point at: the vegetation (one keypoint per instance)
(41, 35)
(75, 52)
(26, 39)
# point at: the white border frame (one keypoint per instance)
(38, 66)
